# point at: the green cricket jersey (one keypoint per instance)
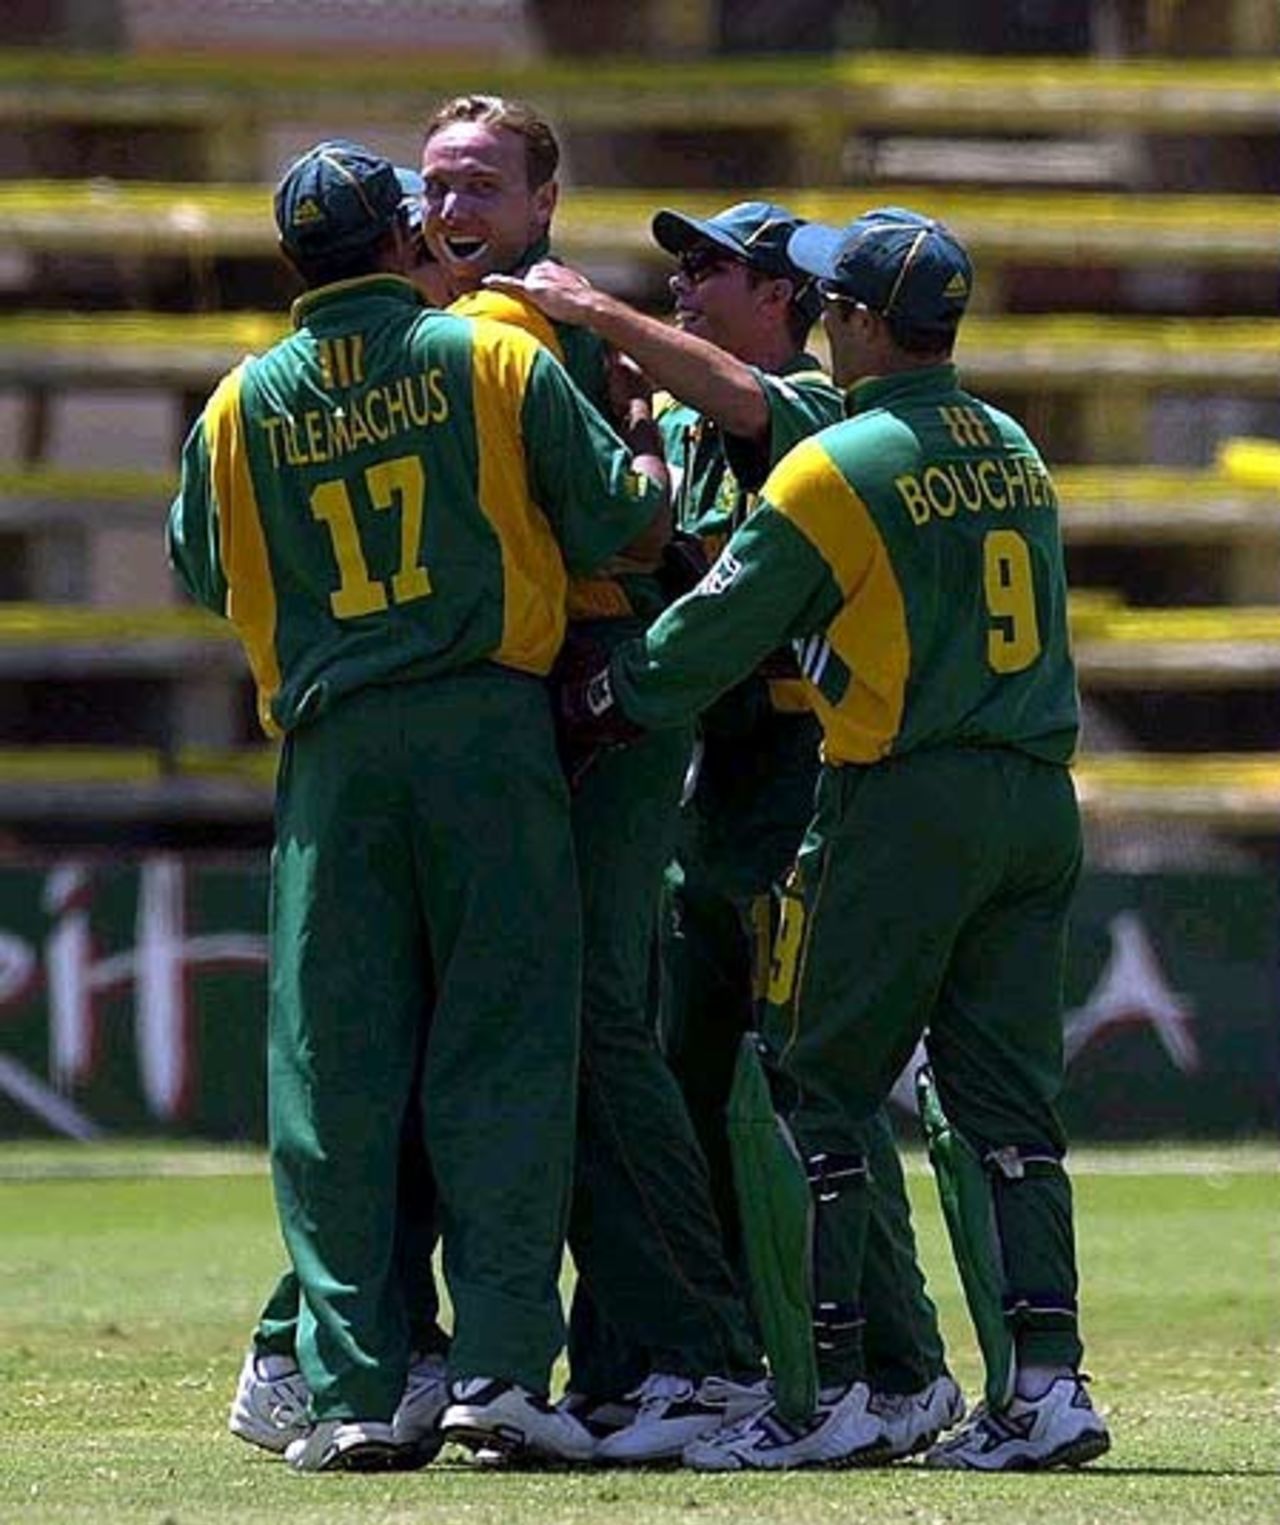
(913, 555)
(393, 492)
(716, 477)
(581, 351)
(615, 592)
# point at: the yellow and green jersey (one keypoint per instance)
(715, 484)
(716, 477)
(616, 592)
(912, 554)
(505, 307)
(581, 351)
(392, 492)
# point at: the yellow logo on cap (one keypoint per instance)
(307, 211)
(956, 288)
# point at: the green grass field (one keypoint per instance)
(129, 1279)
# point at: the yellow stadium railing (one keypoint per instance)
(1048, 353)
(1230, 792)
(1098, 504)
(815, 103)
(132, 218)
(1116, 645)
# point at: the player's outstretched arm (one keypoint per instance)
(696, 371)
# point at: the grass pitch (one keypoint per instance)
(129, 1279)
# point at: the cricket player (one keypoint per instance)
(643, 1231)
(386, 506)
(912, 554)
(741, 391)
(642, 1217)
(271, 1404)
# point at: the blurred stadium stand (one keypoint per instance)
(1113, 165)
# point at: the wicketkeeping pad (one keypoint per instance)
(776, 1208)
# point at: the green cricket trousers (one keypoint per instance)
(424, 912)
(742, 830)
(655, 1291)
(931, 896)
(276, 1332)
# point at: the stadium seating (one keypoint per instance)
(1235, 793)
(1046, 353)
(132, 218)
(1100, 504)
(844, 131)
(813, 105)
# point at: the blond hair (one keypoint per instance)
(541, 151)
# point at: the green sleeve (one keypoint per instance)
(584, 359)
(769, 585)
(193, 527)
(580, 472)
(799, 405)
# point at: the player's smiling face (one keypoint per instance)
(714, 295)
(480, 213)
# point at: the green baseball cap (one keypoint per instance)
(756, 232)
(337, 198)
(901, 264)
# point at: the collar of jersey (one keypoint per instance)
(393, 287)
(879, 391)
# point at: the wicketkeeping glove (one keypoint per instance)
(684, 564)
(588, 718)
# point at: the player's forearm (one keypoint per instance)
(697, 649)
(672, 674)
(640, 434)
(768, 585)
(697, 372)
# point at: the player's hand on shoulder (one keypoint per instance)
(557, 290)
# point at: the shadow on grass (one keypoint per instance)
(458, 1465)
(1156, 1470)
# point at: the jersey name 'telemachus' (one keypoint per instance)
(373, 416)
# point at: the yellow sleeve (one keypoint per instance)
(515, 312)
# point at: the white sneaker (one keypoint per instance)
(1059, 1429)
(488, 1415)
(913, 1421)
(416, 1422)
(346, 1445)
(842, 1433)
(672, 1411)
(599, 1416)
(270, 1405)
